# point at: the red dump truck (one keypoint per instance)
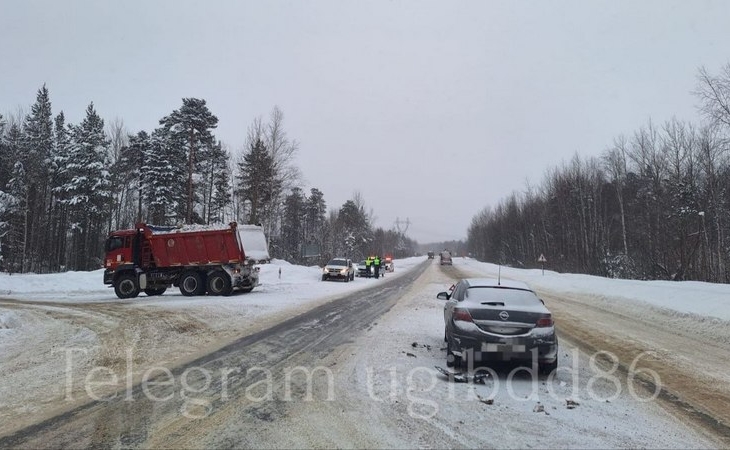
(196, 259)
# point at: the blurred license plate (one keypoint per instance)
(503, 348)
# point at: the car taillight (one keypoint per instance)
(545, 322)
(462, 315)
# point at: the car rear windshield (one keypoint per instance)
(337, 262)
(508, 296)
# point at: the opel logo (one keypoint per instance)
(504, 315)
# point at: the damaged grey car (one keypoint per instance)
(497, 320)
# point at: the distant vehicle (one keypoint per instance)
(445, 257)
(362, 269)
(339, 269)
(490, 320)
(430, 255)
(389, 266)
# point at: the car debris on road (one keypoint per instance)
(461, 377)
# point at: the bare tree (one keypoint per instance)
(712, 158)
(359, 201)
(287, 174)
(714, 95)
(615, 164)
(122, 191)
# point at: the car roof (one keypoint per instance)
(494, 282)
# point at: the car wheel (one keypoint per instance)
(324, 277)
(191, 283)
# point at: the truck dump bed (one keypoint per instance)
(188, 247)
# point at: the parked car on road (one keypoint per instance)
(389, 266)
(488, 319)
(339, 269)
(362, 270)
(430, 255)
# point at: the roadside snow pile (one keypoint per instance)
(279, 271)
(28, 283)
(9, 320)
(692, 298)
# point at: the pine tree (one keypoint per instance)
(255, 175)
(131, 162)
(162, 178)
(16, 205)
(353, 229)
(216, 182)
(5, 199)
(221, 188)
(87, 190)
(191, 125)
(5, 156)
(38, 145)
(316, 219)
(292, 225)
(60, 178)
(18, 192)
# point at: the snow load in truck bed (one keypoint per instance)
(251, 236)
(161, 229)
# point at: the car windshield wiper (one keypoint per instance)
(493, 303)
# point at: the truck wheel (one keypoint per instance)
(151, 292)
(191, 283)
(219, 283)
(127, 286)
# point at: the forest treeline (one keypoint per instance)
(654, 205)
(64, 187)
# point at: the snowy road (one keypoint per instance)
(354, 369)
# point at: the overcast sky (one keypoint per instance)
(431, 110)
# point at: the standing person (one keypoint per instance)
(376, 263)
(368, 263)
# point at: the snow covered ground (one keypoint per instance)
(685, 297)
(41, 313)
(285, 285)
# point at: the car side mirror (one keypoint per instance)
(443, 296)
